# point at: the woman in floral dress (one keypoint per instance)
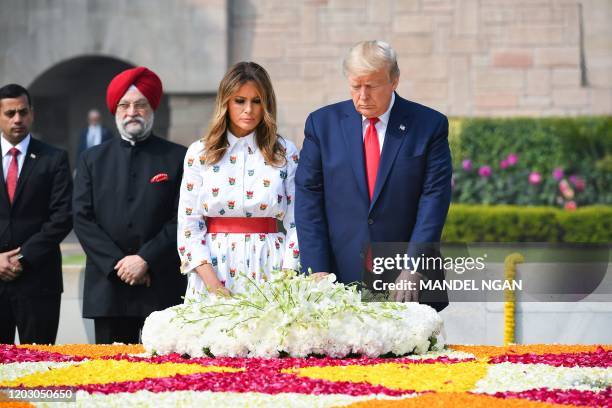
(238, 181)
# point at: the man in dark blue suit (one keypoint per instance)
(374, 169)
(93, 134)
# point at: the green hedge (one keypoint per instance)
(542, 143)
(480, 223)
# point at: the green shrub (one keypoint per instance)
(579, 148)
(481, 223)
(588, 224)
(542, 143)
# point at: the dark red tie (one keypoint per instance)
(371, 147)
(12, 174)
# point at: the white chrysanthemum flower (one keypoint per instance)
(297, 315)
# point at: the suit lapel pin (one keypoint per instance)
(32, 156)
(402, 128)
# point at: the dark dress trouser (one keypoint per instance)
(35, 317)
(126, 330)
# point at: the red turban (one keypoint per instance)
(142, 78)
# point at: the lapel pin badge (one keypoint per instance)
(32, 155)
(402, 127)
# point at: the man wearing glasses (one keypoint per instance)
(125, 206)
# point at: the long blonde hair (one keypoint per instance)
(215, 140)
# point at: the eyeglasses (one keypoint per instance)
(139, 106)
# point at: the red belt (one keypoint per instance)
(241, 225)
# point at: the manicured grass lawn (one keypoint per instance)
(78, 259)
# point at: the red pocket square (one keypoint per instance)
(159, 178)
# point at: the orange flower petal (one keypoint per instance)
(89, 350)
(14, 404)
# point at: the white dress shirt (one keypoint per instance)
(94, 135)
(381, 125)
(6, 156)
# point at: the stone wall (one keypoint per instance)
(190, 116)
(183, 41)
(462, 57)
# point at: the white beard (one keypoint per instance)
(135, 132)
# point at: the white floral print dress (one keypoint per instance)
(241, 184)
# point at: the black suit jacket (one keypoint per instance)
(39, 219)
(106, 134)
(119, 211)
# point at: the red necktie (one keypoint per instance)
(371, 148)
(12, 174)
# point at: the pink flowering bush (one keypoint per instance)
(484, 171)
(535, 178)
(512, 183)
(561, 162)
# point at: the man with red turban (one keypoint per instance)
(125, 205)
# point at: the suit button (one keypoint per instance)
(130, 199)
(129, 225)
(370, 221)
(361, 255)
